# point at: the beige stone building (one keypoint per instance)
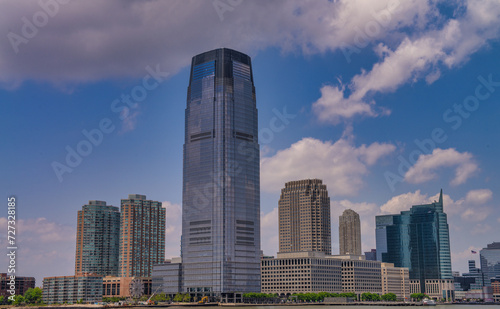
(301, 272)
(304, 272)
(350, 233)
(304, 217)
(360, 276)
(395, 280)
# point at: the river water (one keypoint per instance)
(444, 306)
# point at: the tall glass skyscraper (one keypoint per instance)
(221, 203)
(490, 262)
(417, 239)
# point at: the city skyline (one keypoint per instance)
(385, 101)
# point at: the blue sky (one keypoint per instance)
(387, 102)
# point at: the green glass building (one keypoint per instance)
(417, 239)
(97, 240)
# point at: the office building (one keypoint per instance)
(301, 272)
(304, 217)
(350, 233)
(313, 272)
(490, 262)
(371, 255)
(395, 280)
(360, 276)
(221, 186)
(418, 239)
(21, 284)
(167, 277)
(72, 289)
(477, 276)
(97, 239)
(121, 286)
(142, 236)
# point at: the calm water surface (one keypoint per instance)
(492, 306)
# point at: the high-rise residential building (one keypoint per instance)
(221, 186)
(97, 239)
(490, 262)
(142, 236)
(419, 240)
(350, 233)
(304, 217)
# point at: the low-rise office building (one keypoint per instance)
(301, 272)
(167, 277)
(437, 289)
(359, 275)
(305, 272)
(395, 280)
(72, 289)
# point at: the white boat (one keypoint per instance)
(428, 302)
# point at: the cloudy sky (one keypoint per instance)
(386, 101)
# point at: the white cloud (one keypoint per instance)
(414, 58)
(340, 165)
(479, 196)
(129, 121)
(426, 166)
(173, 229)
(86, 42)
(476, 214)
(333, 107)
(469, 208)
(403, 202)
(45, 248)
(362, 208)
(269, 226)
(481, 229)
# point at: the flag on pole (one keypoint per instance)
(473, 252)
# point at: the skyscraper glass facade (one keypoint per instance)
(221, 203)
(417, 239)
(97, 239)
(490, 262)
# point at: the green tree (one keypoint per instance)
(19, 300)
(389, 297)
(418, 296)
(186, 298)
(33, 296)
(159, 297)
(178, 297)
